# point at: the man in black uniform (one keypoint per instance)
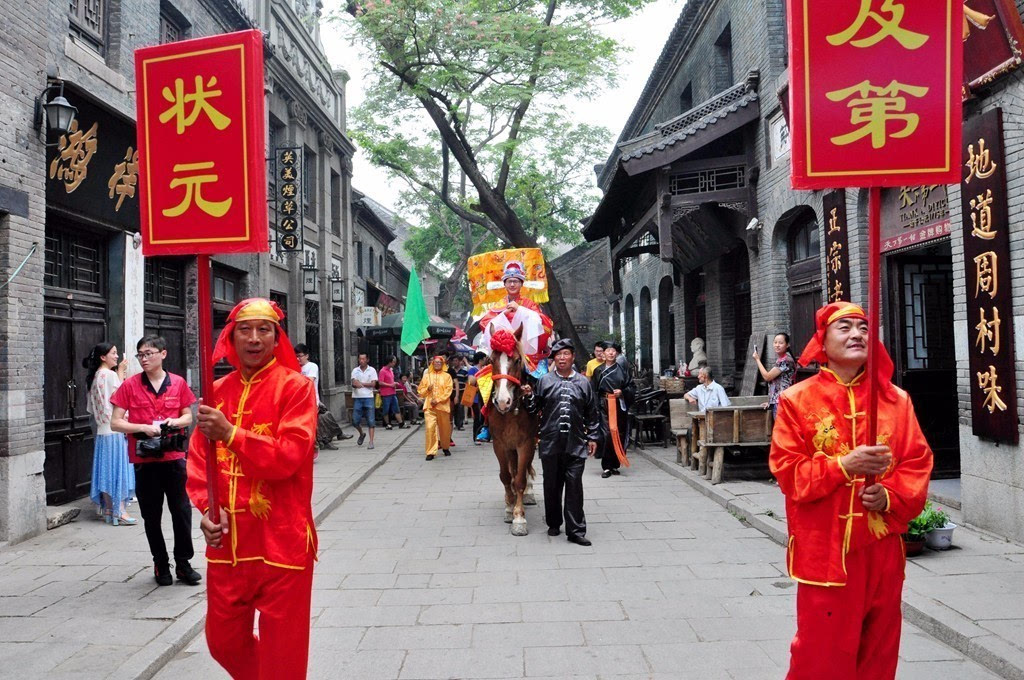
(569, 431)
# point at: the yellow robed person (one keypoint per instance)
(436, 388)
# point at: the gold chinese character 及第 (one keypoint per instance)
(873, 107)
(125, 177)
(194, 191)
(198, 100)
(979, 164)
(988, 332)
(988, 383)
(887, 26)
(71, 164)
(835, 256)
(833, 221)
(981, 216)
(986, 269)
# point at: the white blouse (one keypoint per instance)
(104, 384)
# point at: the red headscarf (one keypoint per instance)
(829, 314)
(252, 309)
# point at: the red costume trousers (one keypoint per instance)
(852, 632)
(282, 597)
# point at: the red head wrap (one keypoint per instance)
(253, 309)
(503, 341)
(829, 314)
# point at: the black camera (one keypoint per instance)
(170, 439)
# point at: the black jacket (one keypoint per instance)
(608, 379)
(568, 414)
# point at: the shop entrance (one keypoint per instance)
(921, 325)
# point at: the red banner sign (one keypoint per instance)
(202, 172)
(875, 92)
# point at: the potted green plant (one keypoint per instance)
(940, 533)
(914, 538)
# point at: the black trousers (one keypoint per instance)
(154, 482)
(458, 415)
(478, 420)
(562, 471)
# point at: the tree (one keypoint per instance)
(488, 74)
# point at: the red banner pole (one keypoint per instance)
(206, 375)
(874, 315)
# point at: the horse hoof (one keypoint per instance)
(508, 516)
(519, 527)
(529, 499)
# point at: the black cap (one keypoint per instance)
(564, 343)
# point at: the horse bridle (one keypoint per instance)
(514, 408)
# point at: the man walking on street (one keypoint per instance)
(597, 360)
(159, 409)
(436, 388)
(364, 379)
(569, 431)
(847, 501)
(388, 384)
(261, 548)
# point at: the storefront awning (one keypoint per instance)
(391, 328)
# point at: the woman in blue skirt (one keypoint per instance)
(113, 479)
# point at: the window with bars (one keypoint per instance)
(313, 330)
(359, 258)
(372, 261)
(309, 183)
(712, 179)
(336, 204)
(338, 323)
(89, 21)
(164, 282)
(282, 301)
(75, 261)
(170, 31)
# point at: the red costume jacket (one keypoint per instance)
(820, 420)
(266, 468)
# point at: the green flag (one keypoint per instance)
(416, 319)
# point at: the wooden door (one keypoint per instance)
(165, 308)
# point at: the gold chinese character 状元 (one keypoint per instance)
(874, 108)
(197, 99)
(835, 256)
(887, 26)
(125, 177)
(979, 165)
(986, 273)
(987, 383)
(988, 332)
(76, 150)
(981, 216)
(833, 221)
(288, 190)
(194, 191)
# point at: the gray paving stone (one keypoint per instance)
(341, 617)
(465, 613)
(418, 637)
(609, 659)
(533, 634)
(472, 663)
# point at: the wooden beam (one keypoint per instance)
(721, 196)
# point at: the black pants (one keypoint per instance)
(562, 471)
(458, 415)
(153, 482)
(609, 461)
(478, 420)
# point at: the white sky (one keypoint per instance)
(644, 34)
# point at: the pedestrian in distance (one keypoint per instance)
(155, 408)
(480, 433)
(597, 360)
(411, 403)
(780, 376)
(261, 547)
(461, 379)
(436, 388)
(456, 395)
(327, 427)
(569, 432)
(113, 477)
(387, 384)
(364, 380)
(848, 500)
(615, 380)
(708, 394)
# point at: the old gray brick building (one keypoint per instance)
(70, 241)
(704, 231)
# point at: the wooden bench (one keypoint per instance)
(731, 427)
(681, 427)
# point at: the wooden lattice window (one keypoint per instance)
(88, 20)
(170, 31)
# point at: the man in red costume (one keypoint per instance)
(847, 502)
(519, 312)
(261, 549)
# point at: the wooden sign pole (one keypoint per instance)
(206, 376)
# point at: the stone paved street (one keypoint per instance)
(419, 578)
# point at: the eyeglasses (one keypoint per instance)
(142, 356)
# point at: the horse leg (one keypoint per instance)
(506, 481)
(519, 527)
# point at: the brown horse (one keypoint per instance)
(513, 432)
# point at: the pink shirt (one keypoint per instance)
(386, 375)
(145, 407)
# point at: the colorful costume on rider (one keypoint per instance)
(537, 326)
(436, 388)
(265, 484)
(849, 562)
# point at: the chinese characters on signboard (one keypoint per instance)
(987, 260)
(912, 216)
(837, 253)
(289, 193)
(992, 35)
(875, 94)
(202, 183)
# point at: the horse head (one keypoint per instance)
(507, 363)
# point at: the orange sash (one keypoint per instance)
(613, 426)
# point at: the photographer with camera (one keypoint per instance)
(158, 406)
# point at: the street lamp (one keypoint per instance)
(337, 287)
(57, 114)
(309, 272)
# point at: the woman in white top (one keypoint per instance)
(113, 479)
